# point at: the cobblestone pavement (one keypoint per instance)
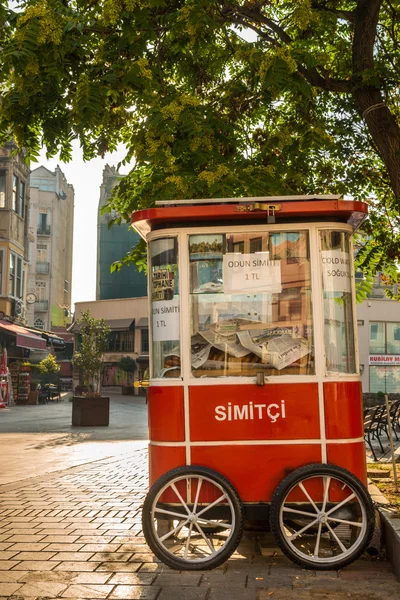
(76, 534)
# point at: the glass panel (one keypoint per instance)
(11, 285)
(250, 304)
(338, 309)
(21, 198)
(384, 379)
(14, 192)
(165, 306)
(377, 338)
(18, 291)
(2, 189)
(393, 338)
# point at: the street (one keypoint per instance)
(70, 523)
(40, 439)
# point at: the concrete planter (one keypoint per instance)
(90, 412)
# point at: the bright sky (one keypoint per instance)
(86, 177)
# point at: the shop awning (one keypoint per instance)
(114, 325)
(143, 323)
(56, 341)
(120, 324)
(23, 337)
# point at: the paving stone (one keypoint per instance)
(12, 576)
(176, 579)
(35, 565)
(35, 555)
(42, 588)
(7, 554)
(8, 589)
(133, 578)
(76, 566)
(118, 567)
(112, 556)
(102, 548)
(136, 592)
(72, 556)
(7, 565)
(232, 593)
(221, 579)
(82, 590)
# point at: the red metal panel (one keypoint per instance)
(147, 219)
(166, 414)
(256, 471)
(343, 410)
(249, 412)
(164, 458)
(350, 456)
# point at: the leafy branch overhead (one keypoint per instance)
(215, 98)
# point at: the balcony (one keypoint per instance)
(120, 346)
(41, 306)
(43, 268)
(43, 230)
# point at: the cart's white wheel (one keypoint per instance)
(192, 518)
(322, 517)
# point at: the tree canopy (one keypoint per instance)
(216, 98)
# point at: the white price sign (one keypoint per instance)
(251, 272)
(336, 271)
(165, 320)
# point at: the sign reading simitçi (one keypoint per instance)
(384, 359)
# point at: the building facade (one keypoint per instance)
(14, 215)
(50, 249)
(129, 335)
(378, 320)
(112, 245)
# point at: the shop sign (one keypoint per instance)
(336, 271)
(384, 359)
(163, 285)
(251, 272)
(165, 320)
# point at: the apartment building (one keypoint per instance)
(50, 249)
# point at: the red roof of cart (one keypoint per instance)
(285, 209)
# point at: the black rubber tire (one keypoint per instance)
(295, 478)
(152, 539)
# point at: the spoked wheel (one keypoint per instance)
(192, 518)
(322, 517)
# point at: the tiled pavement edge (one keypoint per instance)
(76, 534)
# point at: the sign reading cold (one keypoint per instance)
(336, 271)
(251, 272)
(165, 320)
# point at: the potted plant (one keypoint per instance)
(89, 407)
(48, 371)
(128, 366)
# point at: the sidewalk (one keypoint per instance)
(76, 534)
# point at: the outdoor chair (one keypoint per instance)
(395, 416)
(373, 426)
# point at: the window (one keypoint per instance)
(15, 193)
(144, 341)
(46, 185)
(120, 341)
(39, 323)
(40, 290)
(21, 203)
(338, 309)
(43, 227)
(164, 290)
(18, 287)
(11, 285)
(250, 309)
(384, 379)
(384, 338)
(41, 253)
(3, 175)
(66, 286)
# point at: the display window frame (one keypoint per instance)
(321, 374)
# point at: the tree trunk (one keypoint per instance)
(383, 129)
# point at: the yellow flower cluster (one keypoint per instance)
(284, 54)
(200, 142)
(178, 182)
(143, 65)
(173, 109)
(51, 24)
(211, 177)
(112, 9)
(302, 14)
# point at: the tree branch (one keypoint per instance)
(347, 15)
